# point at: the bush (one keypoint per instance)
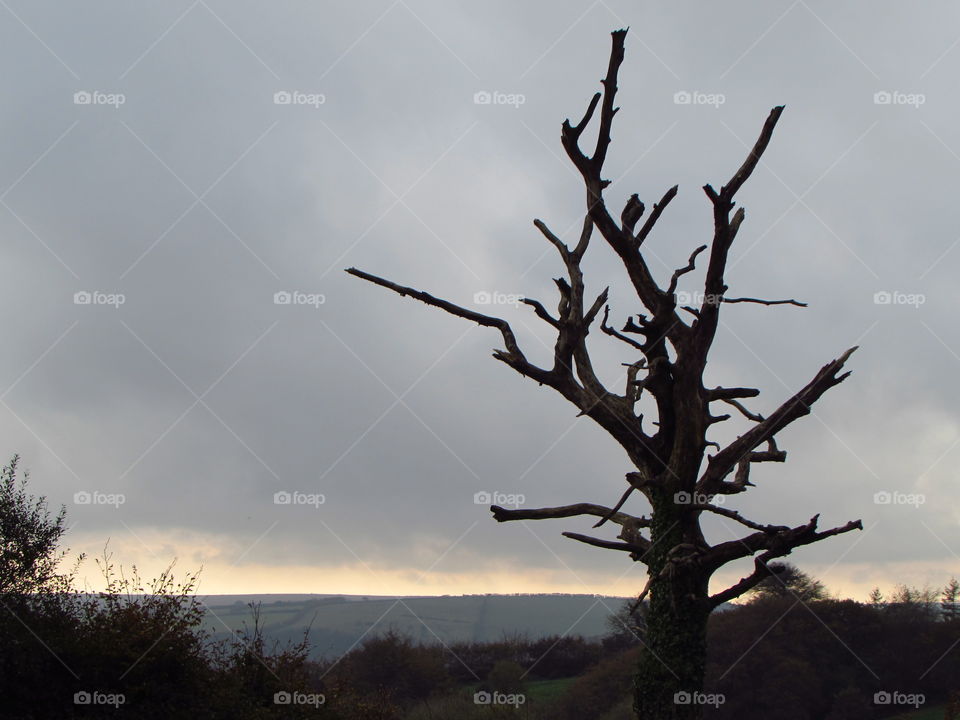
(392, 665)
(601, 689)
(505, 677)
(137, 645)
(28, 538)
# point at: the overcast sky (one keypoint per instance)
(149, 159)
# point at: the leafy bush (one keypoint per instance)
(136, 649)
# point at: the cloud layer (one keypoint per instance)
(198, 158)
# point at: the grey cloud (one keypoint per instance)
(300, 192)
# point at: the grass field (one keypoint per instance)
(547, 690)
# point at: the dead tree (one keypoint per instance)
(671, 467)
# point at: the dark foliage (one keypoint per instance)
(789, 652)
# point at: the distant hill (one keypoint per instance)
(338, 622)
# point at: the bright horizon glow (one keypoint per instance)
(219, 577)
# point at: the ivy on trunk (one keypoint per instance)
(671, 465)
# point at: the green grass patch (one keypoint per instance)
(541, 691)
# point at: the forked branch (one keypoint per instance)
(721, 464)
(774, 544)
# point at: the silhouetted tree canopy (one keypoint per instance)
(787, 580)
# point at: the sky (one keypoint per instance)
(172, 172)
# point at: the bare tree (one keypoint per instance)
(671, 466)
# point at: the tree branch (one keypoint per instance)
(776, 545)
(743, 411)
(554, 240)
(689, 267)
(655, 214)
(632, 541)
(619, 235)
(608, 544)
(765, 302)
(607, 109)
(722, 393)
(721, 464)
(512, 356)
(753, 159)
(501, 514)
(541, 312)
(637, 481)
(725, 230)
(613, 333)
(734, 515)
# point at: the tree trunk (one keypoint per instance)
(669, 680)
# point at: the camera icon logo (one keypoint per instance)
(82, 498)
(282, 698)
(82, 298)
(882, 498)
(282, 298)
(482, 298)
(882, 97)
(882, 298)
(82, 698)
(282, 498)
(282, 97)
(482, 498)
(682, 98)
(482, 698)
(482, 97)
(82, 97)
